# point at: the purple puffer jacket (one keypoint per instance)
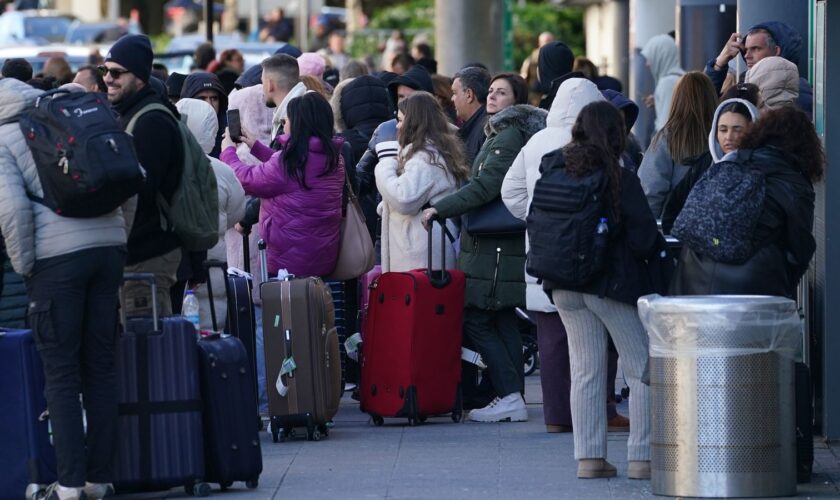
(300, 227)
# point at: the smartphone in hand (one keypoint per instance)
(234, 125)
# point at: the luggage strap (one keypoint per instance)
(286, 312)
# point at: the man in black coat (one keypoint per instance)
(157, 140)
(208, 88)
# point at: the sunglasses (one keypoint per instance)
(114, 72)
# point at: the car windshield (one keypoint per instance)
(52, 29)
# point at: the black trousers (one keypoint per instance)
(73, 314)
(496, 336)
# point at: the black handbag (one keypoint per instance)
(493, 219)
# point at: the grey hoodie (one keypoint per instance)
(664, 60)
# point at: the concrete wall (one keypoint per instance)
(607, 38)
(468, 31)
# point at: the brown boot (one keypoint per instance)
(592, 468)
(618, 423)
(638, 469)
(551, 428)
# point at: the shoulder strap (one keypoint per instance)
(155, 106)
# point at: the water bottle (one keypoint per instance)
(189, 310)
(602, 228)
(601, 242)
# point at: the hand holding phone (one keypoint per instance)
(234, 125)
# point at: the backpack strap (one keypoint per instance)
(155, 106)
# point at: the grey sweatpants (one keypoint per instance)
(587, 319)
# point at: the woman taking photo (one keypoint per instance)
(605, 304)
(495, 264)
(425, 164)
(783, 145)
(683, 138)
(300, 186)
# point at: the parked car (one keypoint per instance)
(80, 33)
(38, 56)
(33, 27)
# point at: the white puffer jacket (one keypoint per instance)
(404, 240)
(203, 123)
(33, 231)
(518, 186)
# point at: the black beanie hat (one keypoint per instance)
(134, 53)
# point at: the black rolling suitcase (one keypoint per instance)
(161, 443)
(231, 438)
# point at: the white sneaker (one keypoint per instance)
(510, 408)
(96, 491)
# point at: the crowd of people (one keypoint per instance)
(420, 149)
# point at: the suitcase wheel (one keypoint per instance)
(225, 486)
(252, 484)
(422, 419)
(325, 430)
(199, 489)
(377, 420)
(457, 416)
(314, 435)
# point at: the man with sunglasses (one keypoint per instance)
(127, 70)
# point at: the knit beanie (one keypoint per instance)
(134, 53)
(311, 63)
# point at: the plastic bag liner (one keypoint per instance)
(721, 325)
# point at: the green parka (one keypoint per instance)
(494, 265)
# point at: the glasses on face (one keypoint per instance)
(114, 72)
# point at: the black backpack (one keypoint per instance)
(86, 162)
(720, 214)
(563, 220)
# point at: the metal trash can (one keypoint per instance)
(722, 397)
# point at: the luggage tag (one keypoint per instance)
(351, 346)
(473, 357)
(287, 368)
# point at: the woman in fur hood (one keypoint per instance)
(424, 165)
(495, 265)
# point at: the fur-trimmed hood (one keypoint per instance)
(525, 117)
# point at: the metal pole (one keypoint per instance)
(304, 25)
(208, 19)
(254, 17)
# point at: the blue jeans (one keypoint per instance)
(262, 396)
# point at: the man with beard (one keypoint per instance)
(280, 83)
(158, 142)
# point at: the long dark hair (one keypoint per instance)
(789, 130)
(426, 124)
(310, 115)
(598, 139)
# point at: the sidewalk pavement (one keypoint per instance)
(441, 459)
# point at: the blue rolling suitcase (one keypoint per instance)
(27, 459)
(160, 410)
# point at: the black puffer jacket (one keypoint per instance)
(632, 242)
(364, 104)
(783, 237)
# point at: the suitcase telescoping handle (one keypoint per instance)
(439, 279)
(263, 261)
(145, 278)
(246, 249)
(208, 265)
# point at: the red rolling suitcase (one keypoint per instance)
(411, 360)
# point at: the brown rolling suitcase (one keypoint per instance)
(302, 364)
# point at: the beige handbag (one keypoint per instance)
(355, 248)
